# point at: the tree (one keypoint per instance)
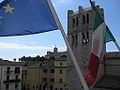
(14, 59)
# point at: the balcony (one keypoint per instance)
(12, 81)
(8, 72)
(17, 72)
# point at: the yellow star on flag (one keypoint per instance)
(9, 9)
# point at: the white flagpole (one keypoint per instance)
(68, 46)
(117, 45)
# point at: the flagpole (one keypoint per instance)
(69, 47)
(118, 47)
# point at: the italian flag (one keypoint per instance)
(101, 35)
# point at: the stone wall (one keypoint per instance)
(112, 63)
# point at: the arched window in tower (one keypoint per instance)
(87, 37)
(72, 41)
(83, 38)
(73, 22)
(76, 40)
(87, 15)
(77, 21)
(83, 19)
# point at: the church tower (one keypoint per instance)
(80, 30)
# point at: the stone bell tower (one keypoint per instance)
(80, 30)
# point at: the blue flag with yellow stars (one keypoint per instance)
(25, 17)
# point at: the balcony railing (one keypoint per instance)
(8, 72)
(17, 72)
(12, 80)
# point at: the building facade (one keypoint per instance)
(10, 75)
(47, 74)
(60, 68)
(60, 76)
(31, 78)
(38, 76)
(111, 78)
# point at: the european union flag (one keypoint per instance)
(24, 17)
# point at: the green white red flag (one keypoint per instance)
(101, 35)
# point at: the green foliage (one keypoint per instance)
(14, 59)
(52, 58)
(32, 59)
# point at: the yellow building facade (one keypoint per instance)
(32, 78)
(60, 82)
(48, 74)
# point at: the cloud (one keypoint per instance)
(65, 1)
(1, 0)
(4, 45)
(61, 1)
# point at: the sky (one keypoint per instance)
(39, 44)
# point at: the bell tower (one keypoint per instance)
(80, 30)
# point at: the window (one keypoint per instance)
(76, 40)
(44, 79)
(61, 88)
(44, 87)
(83, 37)
(45, 70)
(36, 86)
(77, 21)
(7, 86)
(52, 70)
(7, 78)
(83, 19)
(8, 70)
(17, 69)
(72, 43)
(51, 87)
(33, 86)
(73, 22)
(56, 89)
(87, 37)
(60, 80)
(40, 87)
(52, 79)
(60, 63)
(16, 77)
(28, 85)
(87, 18)
(16, 85)
(60, 71)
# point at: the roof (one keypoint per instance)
(110, 82)
(45, 63)
(10, 63)
(112, 55)
(56, 54)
